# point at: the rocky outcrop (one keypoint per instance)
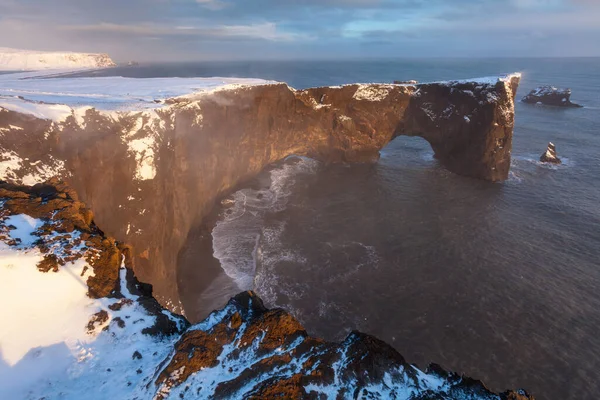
(27, 60)
(150, 176)
(69, 234)
(550, 155)
(550, 96)
(248, 351)
(133, 348)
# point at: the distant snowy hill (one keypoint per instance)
(19, 60)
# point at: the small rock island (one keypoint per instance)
(550, 155)
(550, 96)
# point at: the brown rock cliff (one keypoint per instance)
(150, 176)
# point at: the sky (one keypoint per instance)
(186, 30)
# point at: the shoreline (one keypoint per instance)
(202, 284)
(198, 271)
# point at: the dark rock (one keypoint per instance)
(136, 355)
(99, 318)
(118, 306)
(119, 321)
(550, 155)
(550, 96)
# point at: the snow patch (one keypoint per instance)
(54, 96)
(15, 169)
(372, 92)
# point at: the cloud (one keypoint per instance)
(212, 4)
(264, 31)
(301, 28)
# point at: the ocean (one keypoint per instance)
(500, 281)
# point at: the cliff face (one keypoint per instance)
(104, 336)
(150, 176)
(17, 60)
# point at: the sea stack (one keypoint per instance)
(550, 155)
(550, 96)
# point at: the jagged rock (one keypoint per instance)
(57, 205)
(150, 176)
(248, 351)
(550, 155)
(550, 96)
(241, 351)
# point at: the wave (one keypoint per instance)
(240, 229)
(526, 165)
(535, 160)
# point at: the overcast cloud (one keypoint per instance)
(159, 30)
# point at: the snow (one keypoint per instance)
(44, 322)
(489, 80)
(55, 96)
(316, 105)
(11, 164)
(26, 60)
(55, 112)
(45, 349)
(9, 161)
(24, 227)
(373, 92)
(143, 147)
(47, 352)
(548, 90)
(29, 323)
(58, 97)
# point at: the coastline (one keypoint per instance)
(202, 284)
(199, 272)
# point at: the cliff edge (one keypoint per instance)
(151, 163)
(80, 325)
(27, 60)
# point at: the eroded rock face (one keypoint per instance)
(550, 96)
(150, 176)
(129, 347)
(550, 155)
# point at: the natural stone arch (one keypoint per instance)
(204, 147)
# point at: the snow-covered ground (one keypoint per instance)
(46, 348)
(28, 60)
(22, 92)
(53, 95)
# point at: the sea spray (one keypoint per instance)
(237, 234)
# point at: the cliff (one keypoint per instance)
(26, 60)
(80, 325)
(151, 167)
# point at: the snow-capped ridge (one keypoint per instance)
(28, 60)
